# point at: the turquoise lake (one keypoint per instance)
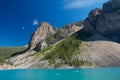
(61, 74)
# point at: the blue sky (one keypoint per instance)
(19, 18)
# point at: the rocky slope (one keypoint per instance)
(91, 43)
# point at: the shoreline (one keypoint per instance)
(48, 68)
(56, 68)
(10, 67)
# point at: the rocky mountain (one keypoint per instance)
(94, 42)
(47, 35)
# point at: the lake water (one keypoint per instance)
(61, 74)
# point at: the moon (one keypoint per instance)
(23, 28)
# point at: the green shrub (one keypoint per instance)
(45, 49)
(64, 50)
(78, 63)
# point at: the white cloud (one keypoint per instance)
(80, 3)
(35, 22)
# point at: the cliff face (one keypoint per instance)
(38, 37)
(105, 21)
(91, 21)
(109, 20)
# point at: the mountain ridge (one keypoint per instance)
(95, 42)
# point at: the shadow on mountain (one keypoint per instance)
(84, 36)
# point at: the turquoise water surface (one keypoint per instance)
(61, 74)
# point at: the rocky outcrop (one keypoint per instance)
(108, 22)
(109, 19)
(69, 29)
(91, 21)
(47, 35)
(37, 41)
(105, 21)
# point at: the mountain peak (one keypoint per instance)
(38, 37)
(45, 27)
(44, 24)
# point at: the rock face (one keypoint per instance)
(91, 21)
(109, 19)
(111, 5)
(47, 35)
(38, 37)
(70, 29)
(105, 21)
